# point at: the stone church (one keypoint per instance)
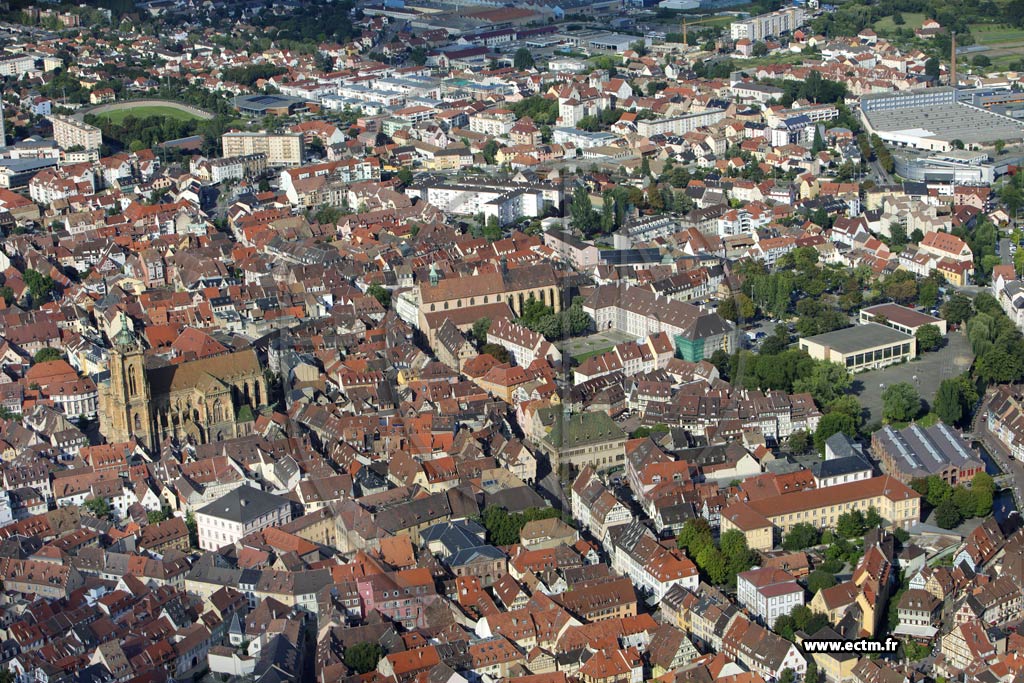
(197, 399)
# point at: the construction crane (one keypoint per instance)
(686, 23)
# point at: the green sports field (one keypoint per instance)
(143, 111)
(910, 20)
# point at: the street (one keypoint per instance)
(1005, 255)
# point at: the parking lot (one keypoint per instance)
(925, 373)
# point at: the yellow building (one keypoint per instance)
(897, 503)
(757, 529)
(834, 601)
(282, 149)
(837, 666)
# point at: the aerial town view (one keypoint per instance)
(511, 341)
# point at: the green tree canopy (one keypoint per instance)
(363, 657)
(850, 524)
(47, 354)
(948, 404)
(480, 329)
(801, 536)
(39, 285)
(947, 514)
(833, 423)
(380, 294)
(900, 402)
(98, 507)
(819, 579)
(928, 338)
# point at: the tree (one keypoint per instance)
(937, 490)
(928, 337)
(39, 285)
(799, 441)
(826, 382)
(812, 675)
(958, 309)
(581, 212)
(727, 309)
(850, 524)
(745, 307)
(492, 229)
(499, 352)
(480, 329)
(997, 365)
(948, 402)
(830, 424)
(872, 518)
(915, 651)
(819, 144)
(983, 491)
(819, 579)
(927, 293)
(490, 151)
(8, 294)
(157, 516)
(1018, 262)
(523, 59)
(694, 536)
(760, 49)
(380, 294)
(713, 563)
(787, 676)
(363, 657)
(99, 507)
(655, 200)
(900, 402)
(801, 536)
(947, 515)
(721, 360)
(47, 354)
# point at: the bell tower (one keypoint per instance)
(127, 410)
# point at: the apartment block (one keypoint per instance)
(281, 149)
(764, 25)
(69, 133)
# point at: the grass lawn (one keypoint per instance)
(708, 22)
(779, 58)
(596, 352)
(141, 112)
(910, 19)
(991, 34)
(1003, 62)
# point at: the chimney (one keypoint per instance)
(952, 71)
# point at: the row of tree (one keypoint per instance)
(997, 343)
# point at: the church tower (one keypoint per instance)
(127, 409)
